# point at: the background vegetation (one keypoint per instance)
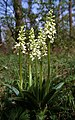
(13, 14)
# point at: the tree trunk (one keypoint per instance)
(62, 20)
(70, 18)
(18, 16)
(29, 12)
(58, 19)
(0, 36)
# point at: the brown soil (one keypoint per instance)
(3, 48)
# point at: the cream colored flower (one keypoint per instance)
(49, 28)
(21, 39)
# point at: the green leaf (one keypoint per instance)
(16, 91)
(59, 86)
(51, 96)
(25, 116)
(47, 98)
(31, 98)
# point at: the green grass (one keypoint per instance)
(62, 69)
(61, 65)
(8, 68)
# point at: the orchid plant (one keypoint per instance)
(38, 94)
(50, 32)
(36, 49)
(21, 48)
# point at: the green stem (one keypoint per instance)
(36, 76)
(20, 70)
(49, 61)
(41, 74)
(36, 72)
(48, 79)
(41, 79)
(30, 73)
